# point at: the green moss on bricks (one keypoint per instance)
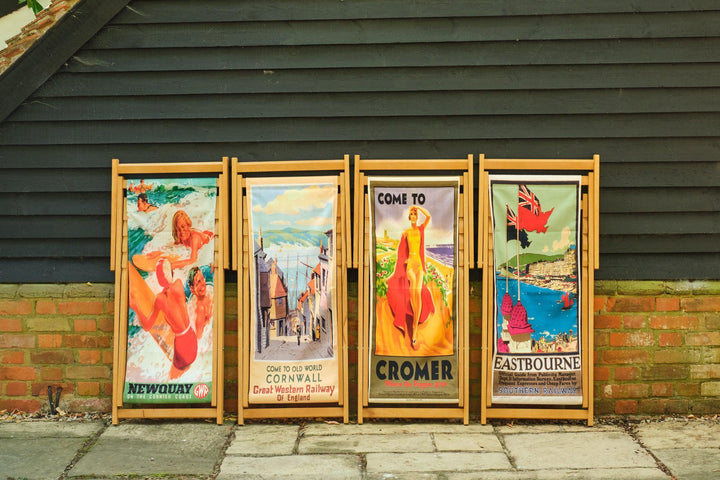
(679, 287)
(8, 290)
(606, 287)
(41, 290)
(92, 290)
(642, 288)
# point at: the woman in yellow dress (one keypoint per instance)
(409, 298)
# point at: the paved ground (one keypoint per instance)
(684, 449)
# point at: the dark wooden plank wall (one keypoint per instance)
(637, 82)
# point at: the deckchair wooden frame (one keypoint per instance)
(589, 169)
(119, 264)
(242, 252)
(364, 168)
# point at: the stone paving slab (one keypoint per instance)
(41, 450)
(265, 440)
(49, 429)
(410, 476)
(510, 429)
(296, 467)
(378, 428)
(576, 474)
(157, 448)
(691, 450)
(688, 463)
(468, 442)
(404, 463)
(569, 450)
(366, 443)
(679, 435)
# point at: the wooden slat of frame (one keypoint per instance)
(113, 211)
(161, 168)
(595, 207)
(291, 166)
(584, 306)
(412, 412)
(347, 251)
(359, 262)
(469, 242)
(489, 268)
(358, 196)
(247, 246)
(343, 252)
(123, 317)
(590, 314)
(412, 165)
(470, 192)
(223, 191)
(293, 412)
(529, 164)
(167, 413)
(338, 292)
(537, 413)
(235, 180)
(460, 297)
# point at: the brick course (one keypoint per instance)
(21, 42)
(657, 347)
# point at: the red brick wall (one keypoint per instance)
(56, 335)
(657, 347)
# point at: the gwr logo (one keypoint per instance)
(201, 390)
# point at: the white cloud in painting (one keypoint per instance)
(315, 222)
(564, 242)
(292, 202)
(283, 223)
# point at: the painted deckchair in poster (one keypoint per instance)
(171, 250)
(538, 290)
(413, 354)
(294, 328)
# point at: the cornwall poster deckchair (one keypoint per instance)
(291, 238)
(168, 253)
(538, 231)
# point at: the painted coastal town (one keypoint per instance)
(293, 256)
(536, 274)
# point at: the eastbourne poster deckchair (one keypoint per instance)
(537, 330)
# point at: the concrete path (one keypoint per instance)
(193, 450)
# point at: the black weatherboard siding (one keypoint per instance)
(636, 82)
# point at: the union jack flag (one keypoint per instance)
(512, 219)
(513, 232)
(528, 200)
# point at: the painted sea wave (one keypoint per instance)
(544, 309)
(443, 253)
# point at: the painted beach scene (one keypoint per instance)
(171, 247)
(414, 270)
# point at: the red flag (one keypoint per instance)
(512, 232)
(530, 214)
